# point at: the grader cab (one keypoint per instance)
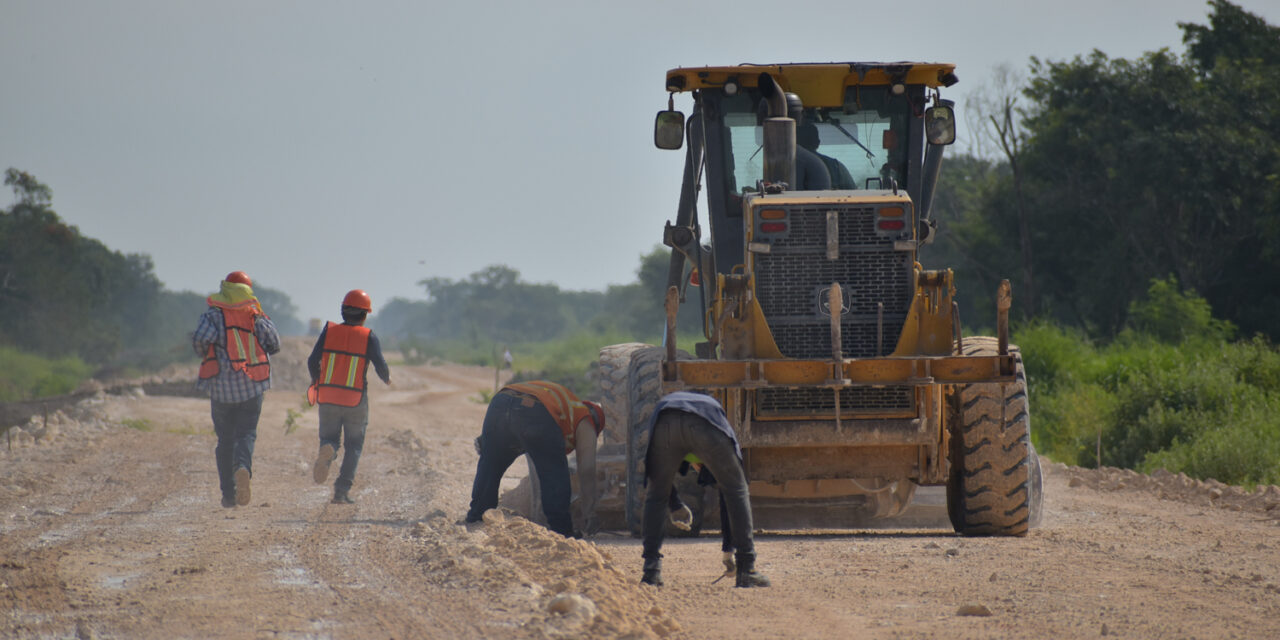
(839, 360)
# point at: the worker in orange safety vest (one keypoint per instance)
(235, 337)
(339, 364)
(547, 421)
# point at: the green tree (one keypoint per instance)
(1174, 316)
(1232, 34)
(1141, 169)
(281, 310)
(974, 235)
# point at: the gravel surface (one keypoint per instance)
(110, 527)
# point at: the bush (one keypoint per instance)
(1067, 425)
(1183, 401)
(1245, 449)
(1173, 316)
(1053, 356)
(24, 376)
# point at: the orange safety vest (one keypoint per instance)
(243, 349)
(343, 364)
(565, 407)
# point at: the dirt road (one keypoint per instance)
(110, 527)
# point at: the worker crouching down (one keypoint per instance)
(546, 421)
(686, 423)
(339, 365)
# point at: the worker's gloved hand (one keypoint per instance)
(682, 518)
(477, 445)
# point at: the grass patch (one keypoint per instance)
(138, 424)
(25, 376)
(189, 430)
(1203, 406)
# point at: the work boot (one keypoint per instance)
(747, 574)
(652, 571)
(729, 565)
(320, 471)
(228, 501)
(341, 497)
(243, 494)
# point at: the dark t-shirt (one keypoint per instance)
(701, 405)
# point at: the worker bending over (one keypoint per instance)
(686, 423)
(546, 421)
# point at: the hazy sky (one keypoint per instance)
(324, 146)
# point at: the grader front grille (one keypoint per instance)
(793, 276)
(792, 280)
(785, 403)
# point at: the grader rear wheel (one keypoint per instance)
(644, 388)
(994, 487)
(631, 384)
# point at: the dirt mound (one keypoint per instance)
(288, 372)
(1264, 500)
(563, 588)
(48, 427)
(289, 367)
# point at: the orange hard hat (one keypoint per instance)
(239, 277)
(358, 299)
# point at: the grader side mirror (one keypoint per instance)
(668, 129)
(940, 123)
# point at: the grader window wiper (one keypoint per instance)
(836, 123)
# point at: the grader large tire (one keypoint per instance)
(994, 488)
(644, 389)
(613, 374)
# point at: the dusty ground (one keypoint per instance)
(110, 527)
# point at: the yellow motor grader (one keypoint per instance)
(839, 359)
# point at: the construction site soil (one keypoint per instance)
(111, 527)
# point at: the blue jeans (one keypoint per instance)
(339, 424)
(236, 424)
(675, 435)
(515, 425)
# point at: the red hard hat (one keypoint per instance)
(239, 277)
(359, 299)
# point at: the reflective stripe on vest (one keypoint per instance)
(242, 348)
(343, 363)
(565, 407)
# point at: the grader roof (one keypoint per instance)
(817, 84)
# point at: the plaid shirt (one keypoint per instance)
(229, 385)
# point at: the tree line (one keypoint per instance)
(1109, 173)
(1135, 207)
(66, 295)
(496, 306)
